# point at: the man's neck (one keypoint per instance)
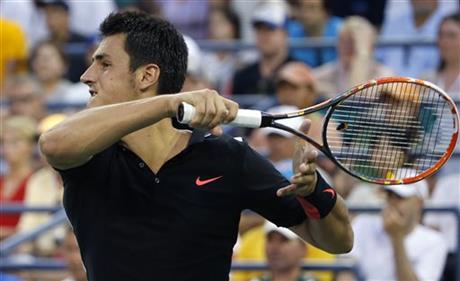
(286, 275)
(157, 143)
(269, 63)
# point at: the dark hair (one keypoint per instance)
(39, 45)
(151, 40)
(454, 17)
(232, 18)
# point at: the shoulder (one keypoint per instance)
(98, 162)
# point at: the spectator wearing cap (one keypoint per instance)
(57, 15)
(269, 23)
(281, 144)
(195, 78)
(402, 248)
(284, 252)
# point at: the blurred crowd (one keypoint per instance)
(47, 45)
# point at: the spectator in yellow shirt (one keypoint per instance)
(13, 57)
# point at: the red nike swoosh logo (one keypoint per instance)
(331, 191)
(200, 182)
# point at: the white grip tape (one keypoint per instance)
(245, 117)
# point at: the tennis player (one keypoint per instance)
(148, 201)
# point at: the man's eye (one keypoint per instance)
(105, 65)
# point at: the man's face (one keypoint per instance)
(269, 40)
(283, 254)
(109, 77)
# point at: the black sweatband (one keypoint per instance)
(319, 204)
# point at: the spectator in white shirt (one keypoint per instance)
(394, 245)
(418, 21)
(446, 194)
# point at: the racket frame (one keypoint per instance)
(268, 120)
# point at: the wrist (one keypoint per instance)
(170, 103)
(319, 203)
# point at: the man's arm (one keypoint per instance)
(328, 224)
(332, 233)
(74, 141)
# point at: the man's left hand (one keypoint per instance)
(303, 182)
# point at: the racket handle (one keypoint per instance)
(244, 118)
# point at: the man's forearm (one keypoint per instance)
(88, 132)
(332, 233)
(403, 266)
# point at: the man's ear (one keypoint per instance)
(147, 76)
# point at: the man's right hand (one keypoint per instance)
(211, 109)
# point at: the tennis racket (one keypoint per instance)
(393, 130)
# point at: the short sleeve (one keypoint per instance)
(95, 169)
(260, 181)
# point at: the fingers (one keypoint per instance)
(211, 109)
(305, 127)
(288, 190)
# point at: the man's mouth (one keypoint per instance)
(92, 93)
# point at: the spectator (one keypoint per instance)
(245, 11)
(419, 21)
(314, 22)
(44, 188)
(49, 65)
(402, 248)
(281, 144)
(446, 194)
(18, 138)
(73, 258)
(295, 86)
(57, 17)
(13, 57)
(253, 249)
(194, 78)
(285, 252)
(447, 75)
(355, 64)
(271, 40)
(224, 26)
(25, 97)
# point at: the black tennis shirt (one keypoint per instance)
(179, 224)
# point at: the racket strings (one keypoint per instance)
(394, 130)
